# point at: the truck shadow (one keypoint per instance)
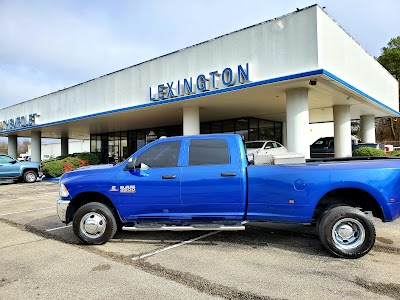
(262, 236)
(293, 238)
(7, 182)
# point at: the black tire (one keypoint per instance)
(29, 176)
(346, 232)
(323, 213)
(94, 223)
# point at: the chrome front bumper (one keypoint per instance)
(62, 206)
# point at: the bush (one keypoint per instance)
(368, 151)
(394, 153)
(62, 164)
(52, 169)
(91, 157)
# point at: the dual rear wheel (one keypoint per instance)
(346, 232)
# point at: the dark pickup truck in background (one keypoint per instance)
(324, 147)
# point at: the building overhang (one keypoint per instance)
(264, 99)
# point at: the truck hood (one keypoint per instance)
(95, 167)
(96, 170)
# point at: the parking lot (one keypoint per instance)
(41, 258)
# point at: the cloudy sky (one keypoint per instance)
(48, 45)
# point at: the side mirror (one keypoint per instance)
(14, 161)
(131, 164)
(267, 147)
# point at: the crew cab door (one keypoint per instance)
(151, 192)
(9, 167)
(213, 183)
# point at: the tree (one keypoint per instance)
(3, 147)
(390, 57)
(389, 128)
(23, 147)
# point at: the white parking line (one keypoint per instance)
(66, 226)
(174, 246)
(24, 211)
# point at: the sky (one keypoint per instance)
(48, 45)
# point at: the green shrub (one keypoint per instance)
(56, 167)
(368, 151)
(394, 153)
(91, 157)
(52, 169)
(61, 157)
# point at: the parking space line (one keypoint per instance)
(174, 246)
(66, 226)
(24, 211)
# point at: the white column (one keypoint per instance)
(191, 120)
(12, 146)
(64, 146)
(284, 134)
(297, 121)
(367, 127)
(342, 130)
(36, 146)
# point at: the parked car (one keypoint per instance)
(324, 146)
(264, 147)
(11, 168)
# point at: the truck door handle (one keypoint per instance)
(228, 174)
(168, 176)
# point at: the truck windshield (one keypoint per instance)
(254, 145)
(323, 142)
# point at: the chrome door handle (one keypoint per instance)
(228, 174)
(168, 176)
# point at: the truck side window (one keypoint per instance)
(6, 159)
(163, 155)
(208, 152)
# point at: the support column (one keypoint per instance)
(36, 144)
(367, 127)
(342, 130)
(64, 146)
(284, 134)
(191, 121)
(297, 121)
(12, 146)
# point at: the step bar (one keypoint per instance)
(208, 227)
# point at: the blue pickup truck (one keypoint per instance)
(205, 182)
(12, 169)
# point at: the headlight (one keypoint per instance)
(63, 191)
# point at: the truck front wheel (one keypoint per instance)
(346, 232)
(29, 176)
(94, 223)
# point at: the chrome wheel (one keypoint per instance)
(93, 225)
(30, 177)
(348, 234)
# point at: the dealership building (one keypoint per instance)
(267, 81)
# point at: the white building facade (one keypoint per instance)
(267, 81)
(51, 150)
